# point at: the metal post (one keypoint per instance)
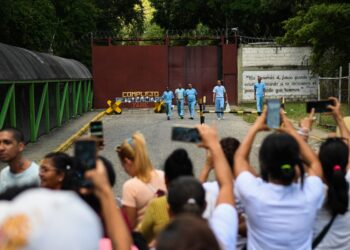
(339, 84)
(47, 111)
(58, 104)
(32, 112)
(13, 118)
(5, 105)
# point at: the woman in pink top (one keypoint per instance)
(146, 182)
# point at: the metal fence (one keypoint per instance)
(338, 87)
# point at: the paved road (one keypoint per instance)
(156, 130)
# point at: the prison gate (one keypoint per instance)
(145, 70)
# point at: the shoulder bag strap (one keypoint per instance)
(323, 233)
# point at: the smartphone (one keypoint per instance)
(85, 152)
(273, 119)
(319, 106)
(96, 129)
(185, 134)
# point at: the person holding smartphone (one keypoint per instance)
(259, 94)
(219, 95)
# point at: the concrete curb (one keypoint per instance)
(64, 146)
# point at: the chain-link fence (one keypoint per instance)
(338, 87)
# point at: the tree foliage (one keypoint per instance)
(65, 25)
(326, 27)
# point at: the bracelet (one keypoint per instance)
(304, 132)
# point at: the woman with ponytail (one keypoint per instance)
(335, 215)
(186, 197)
(146, 182)
(281, 206)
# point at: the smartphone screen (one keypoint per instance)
(85, 154)
(273, 119)
(185, 134)
(319, 106)
(96, 129)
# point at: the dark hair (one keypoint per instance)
(178, 164)
(12, 192)
(334, 155)
(16, 133)
(278, 155)
(64, 164)
(187, 233)
(186, 195)
(229, 145)
(109, 169)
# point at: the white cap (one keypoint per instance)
(43, 219)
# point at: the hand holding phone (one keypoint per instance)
(85, 152)
(96, 130)
(273, 119)
(319, 106)
(185, 134)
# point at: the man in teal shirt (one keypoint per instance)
(259, 94)
(168, 99)
(191, 94)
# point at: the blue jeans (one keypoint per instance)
(259, 103)
(191, 105)
(180, 107)
(219, 106)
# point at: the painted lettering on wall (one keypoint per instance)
(140, 94)
(297, 84)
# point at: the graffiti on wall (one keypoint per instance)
(296, 84)
(139, 96)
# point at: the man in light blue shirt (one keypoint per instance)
(20, 171)
(191, 94)
(168, 97)
(219, 94)
(180, 96)
(259, 94)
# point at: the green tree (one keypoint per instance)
(27, 23)
(325, 27)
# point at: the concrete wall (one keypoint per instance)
(284, 70)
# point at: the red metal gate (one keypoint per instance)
(131, 71)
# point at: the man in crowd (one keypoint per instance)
(20, 170)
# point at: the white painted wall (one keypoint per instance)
(284, 70)
(275, 56)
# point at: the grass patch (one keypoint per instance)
(296, 111)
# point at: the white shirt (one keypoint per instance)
(219, 91)
(224, 224)
(279, 217)
(211, 195)
(338, 236)
(28, 176)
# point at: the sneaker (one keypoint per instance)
(191, 118)
(168, 118)
(219, 118)
(181, 117)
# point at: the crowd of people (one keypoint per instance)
(295, 199)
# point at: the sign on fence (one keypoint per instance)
(296, 84)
